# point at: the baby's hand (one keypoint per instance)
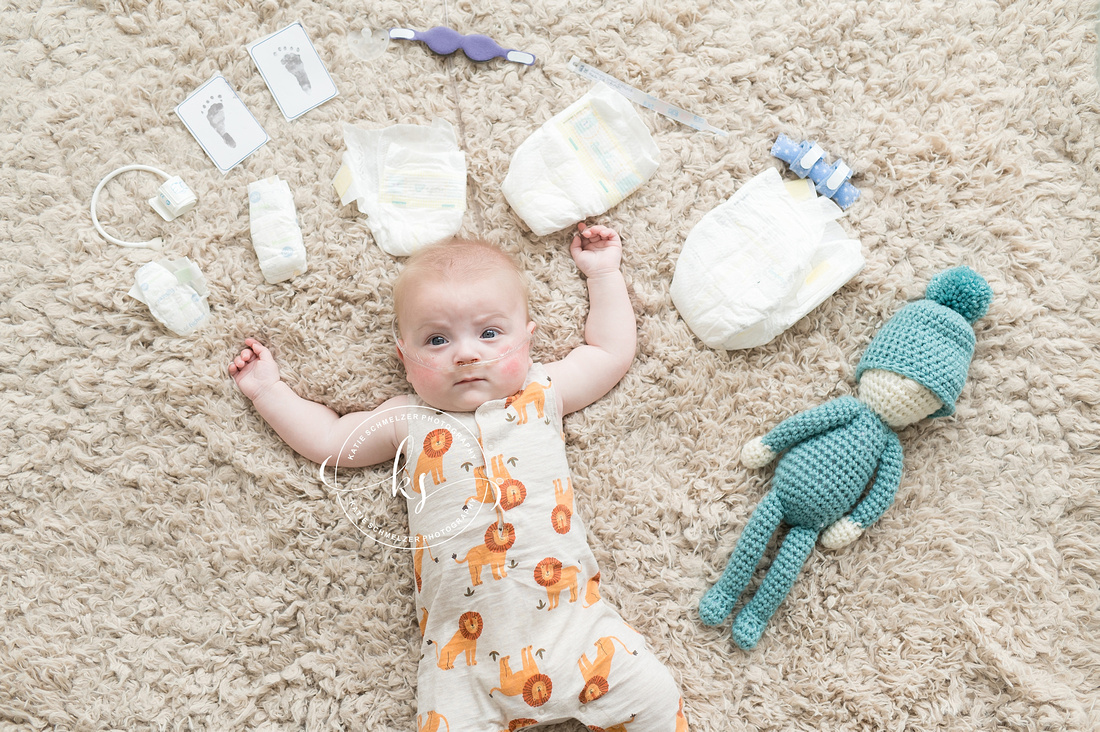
(254, 369)
(596, 249)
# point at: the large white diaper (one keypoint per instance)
(581, 162)
(175, 291)
(409, 180)
(276, 236)
(760, 261)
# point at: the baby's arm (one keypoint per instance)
(313, 430)
(610, 332)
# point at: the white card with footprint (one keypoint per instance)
(221, 123)
(293, 71)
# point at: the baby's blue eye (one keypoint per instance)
(490, 333)
(437, 341)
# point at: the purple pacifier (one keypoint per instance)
(445, 41)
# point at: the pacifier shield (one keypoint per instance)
(368, 44)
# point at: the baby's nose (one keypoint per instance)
(468, 351)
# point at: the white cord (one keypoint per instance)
(452, 72)
(152, 243)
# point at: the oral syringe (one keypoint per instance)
(642, 99)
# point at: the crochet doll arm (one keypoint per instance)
(804, 425)
(874, 504)
(755, 454)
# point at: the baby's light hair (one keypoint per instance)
(458, 259)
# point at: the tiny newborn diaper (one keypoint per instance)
(760, 261)
(409, 180)
(276, 236)
(175, 291)
(581, 162)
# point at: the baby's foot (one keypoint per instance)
(215, 115)
(292, 62)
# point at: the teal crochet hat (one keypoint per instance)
(931, 341)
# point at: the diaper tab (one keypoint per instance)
(175, 291)
(276, 236)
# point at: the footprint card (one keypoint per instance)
(221, 123)
(293, 71)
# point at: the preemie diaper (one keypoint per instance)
(175, 291)
(581, 162)
(410, 181)
(276, 236)
(760, 261)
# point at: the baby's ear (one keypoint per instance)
(531, 325)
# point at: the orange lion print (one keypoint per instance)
(681, 720)
(492, 551)
(418, 560)
(535, 687)
(512, 492)
(464, 641)
(483, 488)
(592, 591)
(535, 394)
(436, 444)
(596, 672)
(431, 724)
(518, 724)
(554, 577)
(561, 518)
(620, 727)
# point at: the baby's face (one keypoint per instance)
(464, 342)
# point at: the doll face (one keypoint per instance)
(899, 400)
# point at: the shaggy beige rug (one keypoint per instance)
(166, 562)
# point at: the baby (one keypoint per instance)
(530, 641)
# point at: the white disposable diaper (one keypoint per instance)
(409, 180)
(757, 263)
(276, 236)
(175, 291)
(581, 162)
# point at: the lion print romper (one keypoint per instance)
(515, 633)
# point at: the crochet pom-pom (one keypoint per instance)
(963, 290)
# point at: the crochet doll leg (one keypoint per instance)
(752, 619)
(719, 600)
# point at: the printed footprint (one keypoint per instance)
(215, 115)
(291, 60)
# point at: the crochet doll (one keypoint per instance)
(914, 368)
